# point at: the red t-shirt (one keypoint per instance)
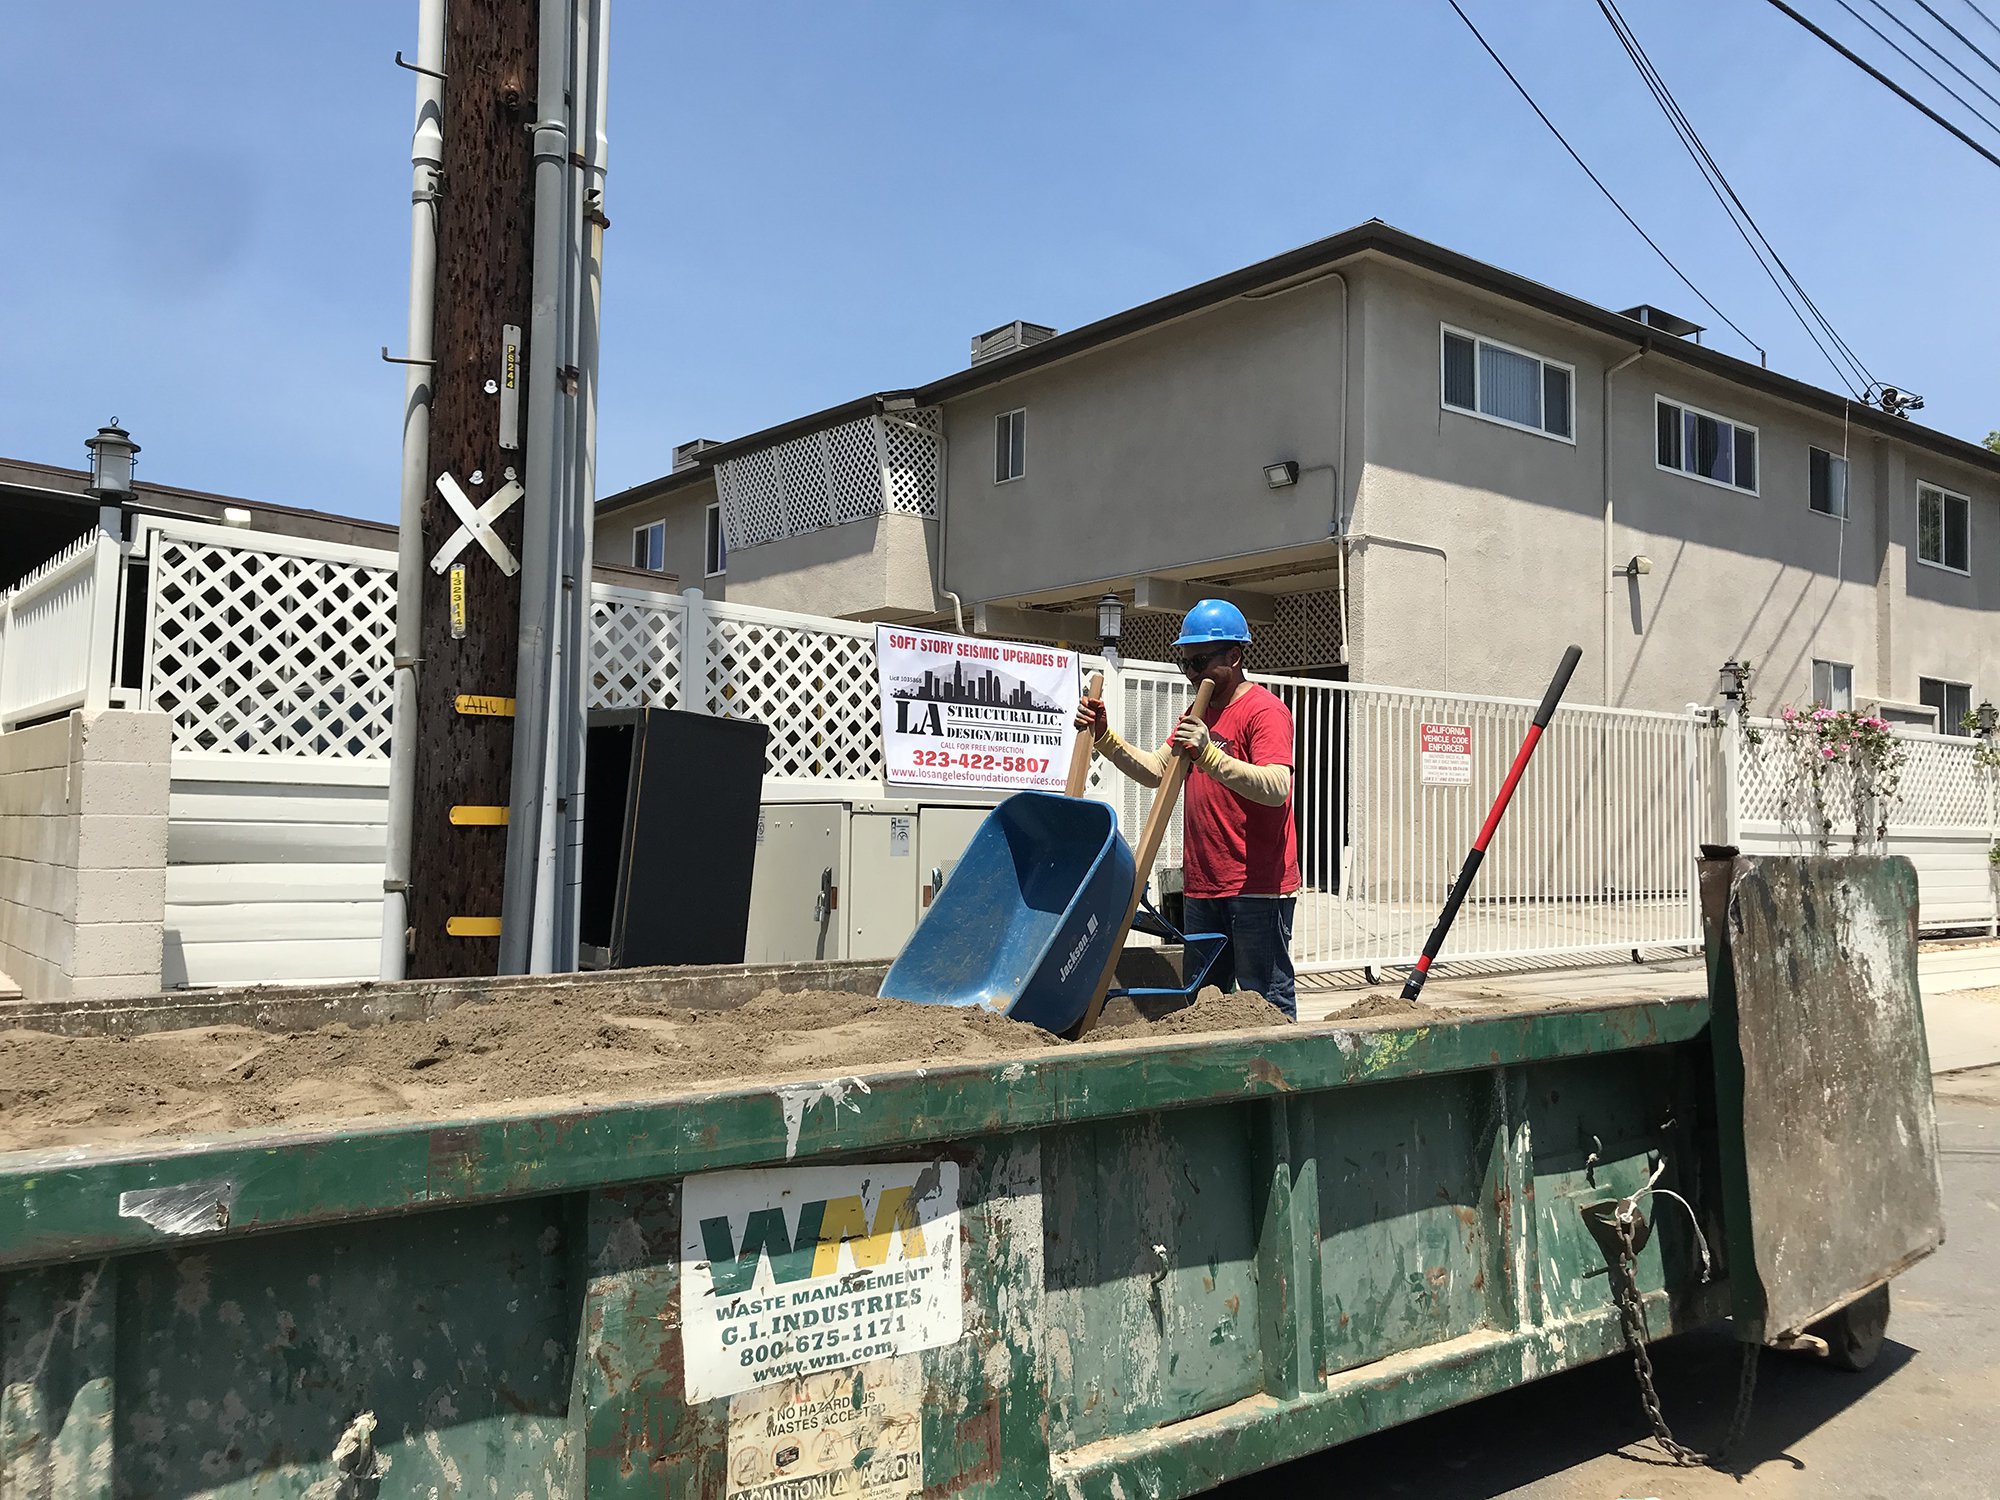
(1232, 846)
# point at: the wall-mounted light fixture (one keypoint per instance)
(235, 515)
(1989, 717)
(1734, 679)
(1280, 476)
(1110, 626)
(1638, 567)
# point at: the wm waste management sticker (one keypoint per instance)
(856, 1434)
(804, 1270)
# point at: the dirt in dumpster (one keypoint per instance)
(530, 1052)
(1212, 1010)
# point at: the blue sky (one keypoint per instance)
(208, 234)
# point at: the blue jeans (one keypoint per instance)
(1258, 956)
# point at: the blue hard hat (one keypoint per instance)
(1214, 620)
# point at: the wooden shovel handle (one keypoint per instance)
(1086, 745)
(1150, 838)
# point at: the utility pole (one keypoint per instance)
(465, 673)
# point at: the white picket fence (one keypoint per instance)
(271, 655)
(56, 633)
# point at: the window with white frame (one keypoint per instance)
(649, 547)
(1503, 384)
(1944, 529)
(1952, 700)
(1826, 482)
(1705, 446)
(715, 546)
(1833, 684)
(1010, 445)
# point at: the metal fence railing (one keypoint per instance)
(56, 633)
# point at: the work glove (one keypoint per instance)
(1190, 738)
(1090, 715)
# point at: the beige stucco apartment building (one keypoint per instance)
(1400, 460)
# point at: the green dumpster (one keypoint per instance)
(1107, 1270)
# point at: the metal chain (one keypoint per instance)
(1632, 1316)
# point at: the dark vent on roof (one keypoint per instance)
(687, 455)
(1666, 322)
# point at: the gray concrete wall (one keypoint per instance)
(1149, 454)
(683, 510)
(1734, 574)
(83, 854)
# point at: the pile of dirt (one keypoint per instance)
(1379, 1003)
(550, 1051)
(1122, 1020)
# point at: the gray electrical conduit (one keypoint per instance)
(426, 169)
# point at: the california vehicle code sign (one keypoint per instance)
(797, 1271)
(960, 711)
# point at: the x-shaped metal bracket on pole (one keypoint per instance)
(477, 525)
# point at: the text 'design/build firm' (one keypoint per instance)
(803, 1269)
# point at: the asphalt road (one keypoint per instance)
(1924, 1420)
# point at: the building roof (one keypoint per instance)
(56, 481)
(1373, 237)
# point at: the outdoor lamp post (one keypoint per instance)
(111, 454)
(1733, 683)
(1989, 718)
(1110, 626)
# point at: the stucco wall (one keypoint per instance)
(684, 511)
(1734, 574)
(878, 568)
(83, 853)
(1149, 454)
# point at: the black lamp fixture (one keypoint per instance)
(1733, 682)
(111, 455)
(1281, 476)
(1989, 717)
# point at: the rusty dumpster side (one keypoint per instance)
(1332, 1230)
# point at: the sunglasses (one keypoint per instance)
(1199, 661)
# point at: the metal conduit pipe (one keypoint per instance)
(543, 482)
(1609, 562)
(1373, 539)
(426, 172)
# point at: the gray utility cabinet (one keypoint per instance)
(849, 879)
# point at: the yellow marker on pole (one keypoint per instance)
(479, 817)
(472, 926)
(488, 707)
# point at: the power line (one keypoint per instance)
(1964, 103)
(1609, 195)
(1931, 48)
(1885, 80)
(1854, 372)
(1990, 22)
(1968, 41)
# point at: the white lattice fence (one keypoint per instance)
(638, 642)
(812, 682)
(269, 646)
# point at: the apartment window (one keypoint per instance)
(1010, 445)
(715, 544)
(649, 547)
(1705, 446)
(1503, 384)
(1833, 684)
(1826, 482)
(1944, 529)
(1952, 700)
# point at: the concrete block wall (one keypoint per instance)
(83, 854)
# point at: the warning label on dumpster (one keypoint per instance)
(804, 1270)
(855, 1433)
(1447, 754)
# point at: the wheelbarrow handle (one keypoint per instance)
(1086, 744)
(1150, 838)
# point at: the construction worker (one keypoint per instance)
(1240, 848)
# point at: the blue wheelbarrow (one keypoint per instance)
(1033, 918)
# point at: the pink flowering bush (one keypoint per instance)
(1835, 760)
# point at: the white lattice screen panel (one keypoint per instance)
(1942, 786)
(814, 688)
(847, 473)
(637, 644)
(269, 653)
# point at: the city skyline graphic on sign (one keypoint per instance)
(982, 687)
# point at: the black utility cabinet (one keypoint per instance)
(669, 836)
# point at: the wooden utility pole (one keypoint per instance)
(471, 620)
